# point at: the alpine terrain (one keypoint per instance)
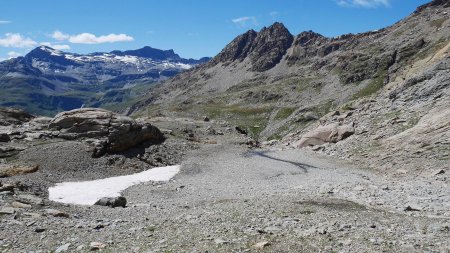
(279, 143)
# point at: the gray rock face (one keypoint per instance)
(238, 49)
(270, 46)
(113, 132)
(112, 202)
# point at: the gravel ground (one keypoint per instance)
(231, 199)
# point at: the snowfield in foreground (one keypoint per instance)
(88, 192)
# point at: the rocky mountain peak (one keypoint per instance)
(307, 37)
(43, 51)
(238, 49)
(270, 46)
(265, 48)
(276, 27)
(48, 54)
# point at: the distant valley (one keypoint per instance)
(47, 80)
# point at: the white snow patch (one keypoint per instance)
(184, 66)
(127, 59)
(88, 192)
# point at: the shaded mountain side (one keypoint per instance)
(264, 49)
(274, 84)
(46, 80)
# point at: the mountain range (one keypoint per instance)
(47, 80)
(391, 87)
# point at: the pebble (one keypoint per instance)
(80, 248)
(261, 245)
(272, 229)
(56, 213)
(17, 204)
(63, 248)
(97, 245)
(29, 199)
(7, 210)
(221, 241)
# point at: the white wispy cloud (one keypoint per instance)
(4, 22)
(13, 54)
(245, 21)
(364, 3)
(16, 40)
(58, 35)
(56, 46)
(273, 14)
(10, 55)
(89, 38)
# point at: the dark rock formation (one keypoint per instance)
(270, 46)
(237, 50)
(112, 202)
(9, 116)
(265, 48)
(4, 137)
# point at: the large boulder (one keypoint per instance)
(13, 116)
(325, 134)
(113, 132)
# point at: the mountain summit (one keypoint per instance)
(264, 49)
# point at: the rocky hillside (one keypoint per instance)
(47, 80)
(390, 87)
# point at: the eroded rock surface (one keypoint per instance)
(112, 132)
(9, 116)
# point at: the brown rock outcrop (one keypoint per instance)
(113, 132)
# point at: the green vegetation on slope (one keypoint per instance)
(375, 85)
(284, 113)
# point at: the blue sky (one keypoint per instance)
(193, 28)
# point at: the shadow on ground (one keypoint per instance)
(263, 154)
